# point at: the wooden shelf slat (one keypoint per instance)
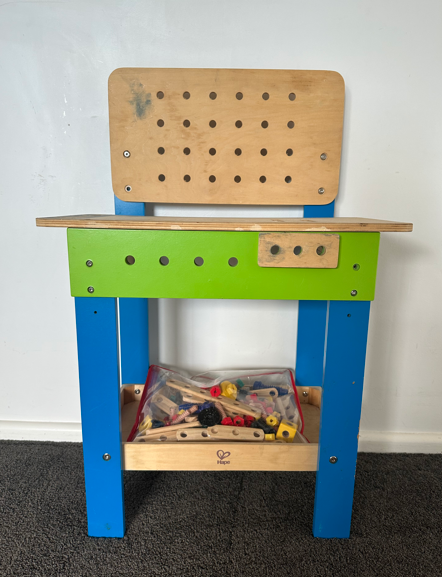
(337, 224)
(202, 456)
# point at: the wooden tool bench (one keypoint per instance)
(244, 137)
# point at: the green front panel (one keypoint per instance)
(111, 276)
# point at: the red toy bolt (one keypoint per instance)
(215, 391)
(238, 421)
(248, 420)
(227, 421)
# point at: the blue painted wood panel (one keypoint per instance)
(97, 338)
(311, 324)
(340, 416)
(134, 320)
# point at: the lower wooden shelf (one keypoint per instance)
(221, 456)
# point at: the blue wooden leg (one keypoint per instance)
(340, 415)
(312, 318)
(97, 337)
(134, 321)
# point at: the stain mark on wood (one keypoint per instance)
(141, 99)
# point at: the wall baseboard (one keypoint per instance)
(369, 441)
(390, 442)
(40, 431)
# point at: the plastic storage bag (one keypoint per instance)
(234, 405)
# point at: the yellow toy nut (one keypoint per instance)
(269, 437)
(286, 431)
(145, 424)
(272, 420)
(228, 390)
(181, 412)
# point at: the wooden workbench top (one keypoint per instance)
(337, 224)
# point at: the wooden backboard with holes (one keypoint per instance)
(217, 136)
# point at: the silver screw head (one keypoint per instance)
(127, 188)
(305, 393)
(354, 293)
(89, 263)
(90, 289)
(333, 460)
(137, 391)
(321, 190)
(106, 457)
(126, 154)
(323, 156)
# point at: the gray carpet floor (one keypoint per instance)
(216, 524)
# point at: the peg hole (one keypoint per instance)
(212, 95)
(237, 178)
(265, 96)
(160, 122)
(292, 96)
(320, 251)
(235, 432)
(129, 259)
(186, 123)
(256, 434)
(238, 151)
(212, 151)
(212, 178)
(199, 261)
(212, 124)
(275, 249)
(285, 434)
(160, 94)
(161, 177)
(262, 179)
(238, 124)
(186, 178)
(288, 179)
(186, 95)
(263, 151)
(164, 261)
(186, 150)
(204, 434)
(163, 438)
(297, 250)
(183, 435)
(161, 150)
(239, 95)
(290, 124)
(289, 151)
(356, 267)
(264, 124)
(233, 261)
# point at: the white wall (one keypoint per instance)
(55, 58)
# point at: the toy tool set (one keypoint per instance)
(232, 406)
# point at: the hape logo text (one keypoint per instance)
(221, 456)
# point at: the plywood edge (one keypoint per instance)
(337, 224)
